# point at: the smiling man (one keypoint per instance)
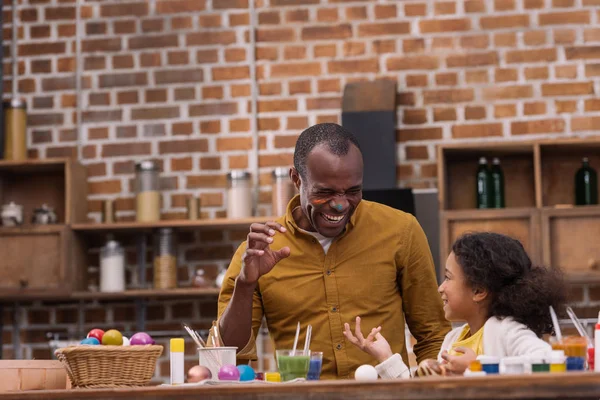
(333, 256)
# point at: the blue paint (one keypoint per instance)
(314, 370)
(491, 368)
(339, 207)
(575, 363)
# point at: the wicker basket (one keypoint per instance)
(109, 366)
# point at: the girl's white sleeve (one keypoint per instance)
(393, 367)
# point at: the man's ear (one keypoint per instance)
(479, 294)
(295, 177)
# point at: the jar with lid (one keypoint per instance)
(147, 191)
(239, 194)
(15, 130)
(282, 190)
(165, 259)
(112, 267)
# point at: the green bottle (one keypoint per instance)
(497, 184)
(586, 185)
(484, 185)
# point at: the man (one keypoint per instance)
(330, 258)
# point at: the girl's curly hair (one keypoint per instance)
(518, 289)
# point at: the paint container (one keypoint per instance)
(513, 366)
(575, 351)
(539, 365)
(490, 364)
(557, 361)
(475, 369)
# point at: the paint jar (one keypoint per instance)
(490, 364)
(557, 361)
(513, 366)
(575, 351)
(539, 365)
(282, 191)
(147, 198)
(239, 194)
(475, 369)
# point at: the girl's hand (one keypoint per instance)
(457, 365)
(375, 344)
(430, 367)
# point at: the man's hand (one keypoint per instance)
(259, 259)
(375, 344)
(456, 365)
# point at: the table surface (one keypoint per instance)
(540, 386)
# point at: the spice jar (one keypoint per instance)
(165, 259)
(112, 267)
(282, 191)
(147, 191)
(15, 130)
(239, 194)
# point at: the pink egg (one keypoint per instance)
(141, 338)
(229, 373)
(198, 373)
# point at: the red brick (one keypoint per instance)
(210, 38)
(476, 130)
(127, 97)
(179, 6)
(475, 112)
(534, 38)
(325, 50)
(504, 5)
(415, 9)
(277, 105)
(413, 45)
(268, 124)
(444, 8)
(537, 126)
(591, 35)
(269, 89)
(182, 128)
(124, 26)
(350, 66)
(323, 103)
(354, 48)
(295, 69)
(506, 74)
(183, 146)
(192, 75)
(269, 18)
(567, 89)
(294, 52)
(414, 62)
(447, 96)
(102, 115)
(231, 144)
(297, 123)
(407, 135)
(239, 125)
(414, 116)
(123, 61)
(228, 4)
(473, 60)
(477, 76)
(383, 29)
(328, 85)
(98, 133)
(152, 41)
(582, 52)
(508, 92)
(230, 73)
(104, 187)
(207, 56)
(152, 25)
(475, 42)
(154, 113)
(39, 32)
(156, 95)
(444, 114)
(416, 153)
(240, 19)
(443, 43)
(178, 23)
(446, 79)
(297, 16)
(197, 110)
(536, 73)
(151, 60)
(385, 11)
(563, 3)
(585, 124)
(34, 49)
(508, 39)
(240, 90)
(563, 18)
(505, 110)
(210, 163)
(474, 6)
(97, 45)
(178, 58)
(356, 13)
(327, 14)
(444, 25)
(592, 70)
(327, 32)
(384, 46)
(534, 108)
(212, 92)
(592, 105)
(210, 127)
(538, 55)
(275, 35)
(126, 149)
(505, 21)
(121, 9)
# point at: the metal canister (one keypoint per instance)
(15, 130)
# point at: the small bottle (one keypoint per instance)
(484, 185)
(497, 184)
(597, 345)
(112, 267)
(557, 361)
(282, 191)
(177, 368)
(165, 259)
(586, 185)
(147, 198)
(239, 194)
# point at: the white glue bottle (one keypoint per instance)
(597, 345)
(177, 352)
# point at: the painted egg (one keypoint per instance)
(126, 341)
(112, 338)
(229, 373)
(366, 373)
(246, 372)
(90, 340)
(141, 338)
(198, 373)
(96, 333)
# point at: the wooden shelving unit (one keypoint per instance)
(101, 296)
(539, 196)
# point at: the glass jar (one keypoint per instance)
(147, 191)
(282, 190)
(112, 267)
(239, 194)
(165, 259)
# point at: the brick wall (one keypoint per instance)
(170, 80)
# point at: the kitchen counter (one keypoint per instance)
(544, 386)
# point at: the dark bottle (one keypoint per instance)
(497, 184)
(586, 185)
(484, 185)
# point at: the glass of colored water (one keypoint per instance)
(292, 364)
(314, 367)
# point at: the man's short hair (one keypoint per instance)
(335, 137)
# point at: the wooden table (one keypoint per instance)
(581, 386)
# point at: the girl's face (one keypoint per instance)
(458, 297)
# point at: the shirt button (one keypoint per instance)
(314, 240)
(328, 272)
(339, 347)
(333, 309)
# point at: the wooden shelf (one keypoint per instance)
(101, 296)
(31, 228)
(206, 224)
(28, 166)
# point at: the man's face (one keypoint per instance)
(331, 190)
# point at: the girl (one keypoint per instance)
(491, 284)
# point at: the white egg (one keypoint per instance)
(125, 341)
(366, 373)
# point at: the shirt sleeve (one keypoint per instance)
(249, 350)
(422, 304)
(522, 341)
(392, 368)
